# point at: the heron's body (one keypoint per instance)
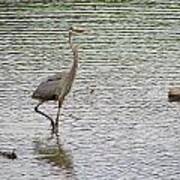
(51, 88)
(56, 87)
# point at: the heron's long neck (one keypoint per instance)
(70, 39)
(75, 57)
(75, 64)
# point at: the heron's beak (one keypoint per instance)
(77, 30)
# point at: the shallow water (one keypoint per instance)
(117, 121)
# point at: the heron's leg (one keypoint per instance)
(58, 114)
(42, 113)
(60, 101)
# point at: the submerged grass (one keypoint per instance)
(113, 1)
(57, 6)
(42, 7)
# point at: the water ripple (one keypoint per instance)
(118, 123)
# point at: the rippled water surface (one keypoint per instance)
(118, 123)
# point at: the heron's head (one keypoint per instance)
(77, 31)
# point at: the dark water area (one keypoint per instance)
(117, 121)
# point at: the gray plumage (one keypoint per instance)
(50, 88)
(56, 87)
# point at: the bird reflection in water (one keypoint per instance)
(52, 151)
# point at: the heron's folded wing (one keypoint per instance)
(56, 77)
(48, 90)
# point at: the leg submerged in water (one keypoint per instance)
(42, 113)
(58, 114)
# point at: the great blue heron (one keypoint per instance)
(56, 87)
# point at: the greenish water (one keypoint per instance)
(117, 121)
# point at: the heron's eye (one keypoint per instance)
(71, 28)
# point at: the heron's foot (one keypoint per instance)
(56, 131)
(57, 123)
